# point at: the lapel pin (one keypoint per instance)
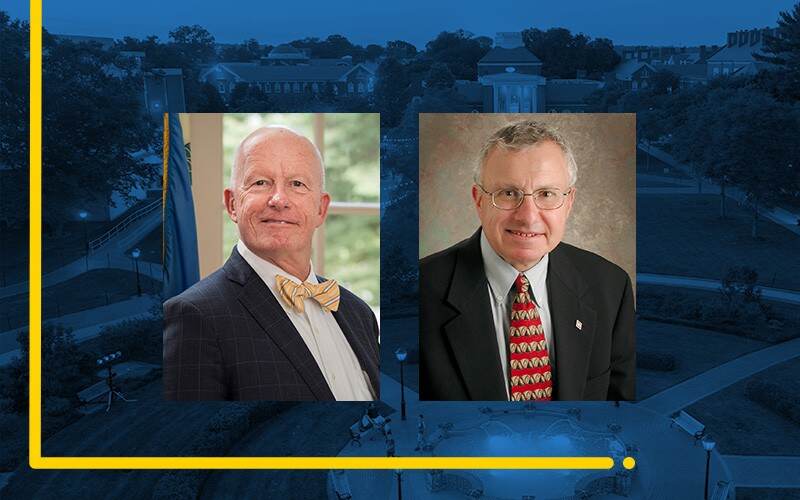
(578, 324)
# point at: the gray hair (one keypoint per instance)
(520, 135)
(239, 157)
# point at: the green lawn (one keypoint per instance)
(741, 426)
(695, 352)
(96, 288)
(683, 235)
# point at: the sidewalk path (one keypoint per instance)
(696, 388)
(111, 256)
(777, 294)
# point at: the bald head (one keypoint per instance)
(271, 141)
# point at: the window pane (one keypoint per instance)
(352, 152)
(352, 254)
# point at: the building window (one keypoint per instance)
(361, 87)
(296, 88)
(221, 86)
(634, 85)
(715, 71)
(315, 87)
(350, 88)
(267, 87)
(277, 88)
(725, 71)
(286, 88)
(371, 84)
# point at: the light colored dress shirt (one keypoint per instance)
(321, 333)
(501, 276)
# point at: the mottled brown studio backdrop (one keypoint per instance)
(603, 218)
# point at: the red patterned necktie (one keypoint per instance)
(530, 362)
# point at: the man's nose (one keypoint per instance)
(528, 211)
(278, 198)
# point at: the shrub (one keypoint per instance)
(781, 399)
(137, 339)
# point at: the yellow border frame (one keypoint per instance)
(37, 461)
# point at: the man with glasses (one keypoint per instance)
(513, 313)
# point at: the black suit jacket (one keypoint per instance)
(228, 338)
(459, 358)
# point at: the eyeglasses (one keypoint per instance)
(511, 199)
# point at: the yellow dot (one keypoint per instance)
(629, 463)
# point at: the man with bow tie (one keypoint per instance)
(265, 326)
(513, 313)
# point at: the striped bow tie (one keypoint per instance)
(326, 293)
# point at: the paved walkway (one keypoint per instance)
(111, 256)
(764, 472)
(696, 388)
(777, 294)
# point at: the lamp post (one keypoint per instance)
(83, 214)
(135, 254)
(708, 445)
(401, 355)
(399, 474)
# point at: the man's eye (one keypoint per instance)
(297, 184)
(260, 182)
(508, 193)
(547, 194)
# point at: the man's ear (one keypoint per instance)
(324, 201)
(230, 204)
(570, 200)
(476, 196)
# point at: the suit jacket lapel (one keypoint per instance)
(565, 289)
(471, 331)
(360, 340)
(269, 314)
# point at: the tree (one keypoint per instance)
(664, 81)
(400, 49)
(96, 129)
(247, 51)
(14, 125)
(783, 51)
(563, 54)
(440, 77)
(460, 51)
(195, 42)
(391, 91)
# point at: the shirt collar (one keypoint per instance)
(267, 271)
(501, 275)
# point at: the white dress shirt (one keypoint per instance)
(501, 276)
(321, 333)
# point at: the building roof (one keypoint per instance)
(625, 70)
(105, 42)
(285, 51)
(739, 53)
(510, 56)
(254, 72)
(684, 70)
(569, 91)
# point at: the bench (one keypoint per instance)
(689, 424)
(94, 392)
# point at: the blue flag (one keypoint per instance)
(179, 247)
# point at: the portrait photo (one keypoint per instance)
(285, 213)
(527, 242)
